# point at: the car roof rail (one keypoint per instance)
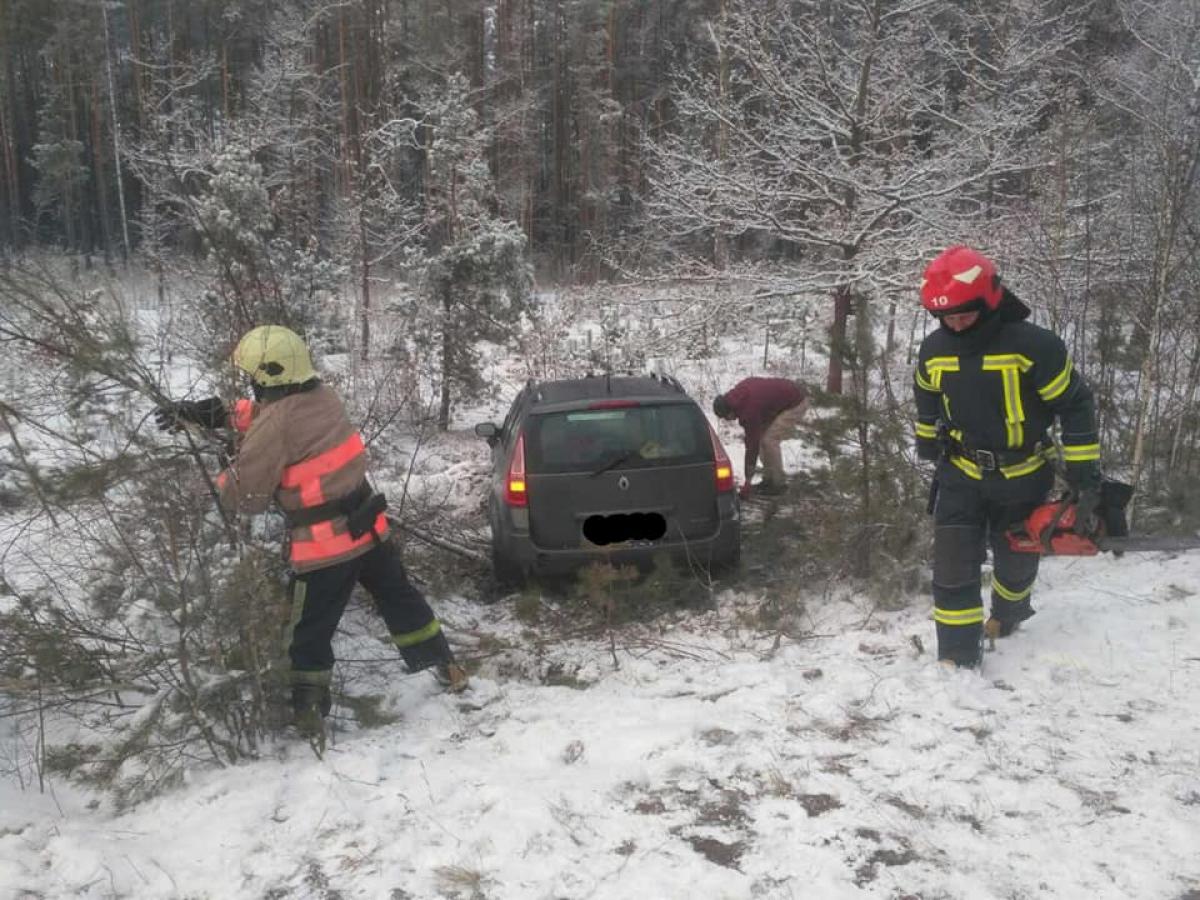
(673, 382)
(531, 388)
(669, 381)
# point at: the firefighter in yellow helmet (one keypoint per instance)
(298, 448)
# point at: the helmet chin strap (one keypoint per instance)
(271, 392)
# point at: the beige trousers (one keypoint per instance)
(785, 426)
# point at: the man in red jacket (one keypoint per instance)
(298, 449)
(770, 411)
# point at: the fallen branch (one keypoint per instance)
(439, 542)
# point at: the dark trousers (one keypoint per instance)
(319, 598)
(971, 514)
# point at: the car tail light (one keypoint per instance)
(514, 479)
(723, 467)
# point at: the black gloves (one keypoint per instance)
(1087, 507)
(1084, 480)
(207, 413)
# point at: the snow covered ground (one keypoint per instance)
(695, 756)
(702, 759)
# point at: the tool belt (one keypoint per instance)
(990, 460)
(361, 507)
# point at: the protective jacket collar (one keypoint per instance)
(976, 338)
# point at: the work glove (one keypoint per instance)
(744, 491)
(1087, 506)
(207, 413)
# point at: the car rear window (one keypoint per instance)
(621, 438)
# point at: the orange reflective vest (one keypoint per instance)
(306, 477)
(301, 451)
(243, 415)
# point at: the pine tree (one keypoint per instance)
(476, 280)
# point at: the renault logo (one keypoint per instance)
(623, 483)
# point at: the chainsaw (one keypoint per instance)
(1051, 529)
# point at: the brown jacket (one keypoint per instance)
(301, 451)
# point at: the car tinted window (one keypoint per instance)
(626, 437)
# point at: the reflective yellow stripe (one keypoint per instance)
(970, 616)
(1010, 366)
(923, 384)
(969, 468)
(1014, 596)
(299, 595)
(418, 636)
(1057, 384)
(936, 365)
(994, 361)
(925, 430)
(1081, 452)
(1016, 470)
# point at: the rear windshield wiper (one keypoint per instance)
(616, 461)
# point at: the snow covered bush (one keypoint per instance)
(138, 628)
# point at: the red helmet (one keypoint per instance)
(960, 280)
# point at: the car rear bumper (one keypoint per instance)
(720, 549)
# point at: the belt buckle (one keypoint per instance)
(985, 459)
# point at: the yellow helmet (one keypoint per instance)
(274, 356)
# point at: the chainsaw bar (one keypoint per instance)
(1147, 543)
(1066, 543)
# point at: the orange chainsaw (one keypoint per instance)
(1050, 529)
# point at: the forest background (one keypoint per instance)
(279, 154)
(403, 182)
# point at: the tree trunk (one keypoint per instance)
(1145, 395)
(721, 237)
(116, 136)
(861, 361)
(98, 179)
(365, 283)
(10, 186)
(447, 363)
(837, 339)
(1189, 398)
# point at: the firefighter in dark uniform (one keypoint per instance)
(989, 386)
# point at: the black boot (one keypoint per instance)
(435, 653)
(960, 645)
(311, 703)
(1006, 619)
(452, 676)
(430, 652)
